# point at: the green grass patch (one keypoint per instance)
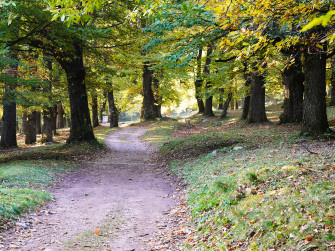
(260, 199)
(14, 201)
(160, 132)
(21, 185)
(269, 193)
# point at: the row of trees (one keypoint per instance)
(262, 40)
(229, 49)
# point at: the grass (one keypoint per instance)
(272, 192)
(26, 173)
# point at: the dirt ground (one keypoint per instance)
(120, 201)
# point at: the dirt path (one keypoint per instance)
(117, 202)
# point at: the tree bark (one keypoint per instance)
(114, 115)
(236, 105)
(95, 118)
(47, 129)
(209, 97)
(149, 112)
(198, 84)
(60, 115)
(246, 105)
(293, 81)
(314, 121)
(31, 128)
(47, 135)
(332, 93)
(226, 105)
(8, 132)
(73, 65)
(54, 119)
(221, 92)
(232, 106)
(256, 113)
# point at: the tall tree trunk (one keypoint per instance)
(245, 109)
(221, 92)
(81, 127)
(293, 81)
(209, 97)
(198, 84)
(95, 118)
(38, 123)
(8, 132)
(47, 135)
(256, 112)
(60, 115)
(236, 105)
(149, 112)
(332, 94)
(114, 115)
(232, 106)
(226, 105)
(31, 128)
(314, 121)
(54, 119)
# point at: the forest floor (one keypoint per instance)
(121, 199)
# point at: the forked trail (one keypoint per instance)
(119, 201)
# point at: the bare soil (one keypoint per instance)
(122, 200)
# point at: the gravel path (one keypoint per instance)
(119, 201)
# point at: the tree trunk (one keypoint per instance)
(38, 123)
(198, 84)
(114, 115)
(8, 132)
(226, 105)
(95, 118)
(314, 121)
(232, 106)
(31, 128)
(149, 112)
(236, 105)
(209, 96)
(332, 94)
(221, 92)
(72, 63)
(256, 112)
(47, 129)
(293, 81)
(246, 105)
(60, 115)
(54, 119)
(47, 135)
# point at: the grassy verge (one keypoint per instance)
(268, 190)
(26, 173)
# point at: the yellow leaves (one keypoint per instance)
(323, 20)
